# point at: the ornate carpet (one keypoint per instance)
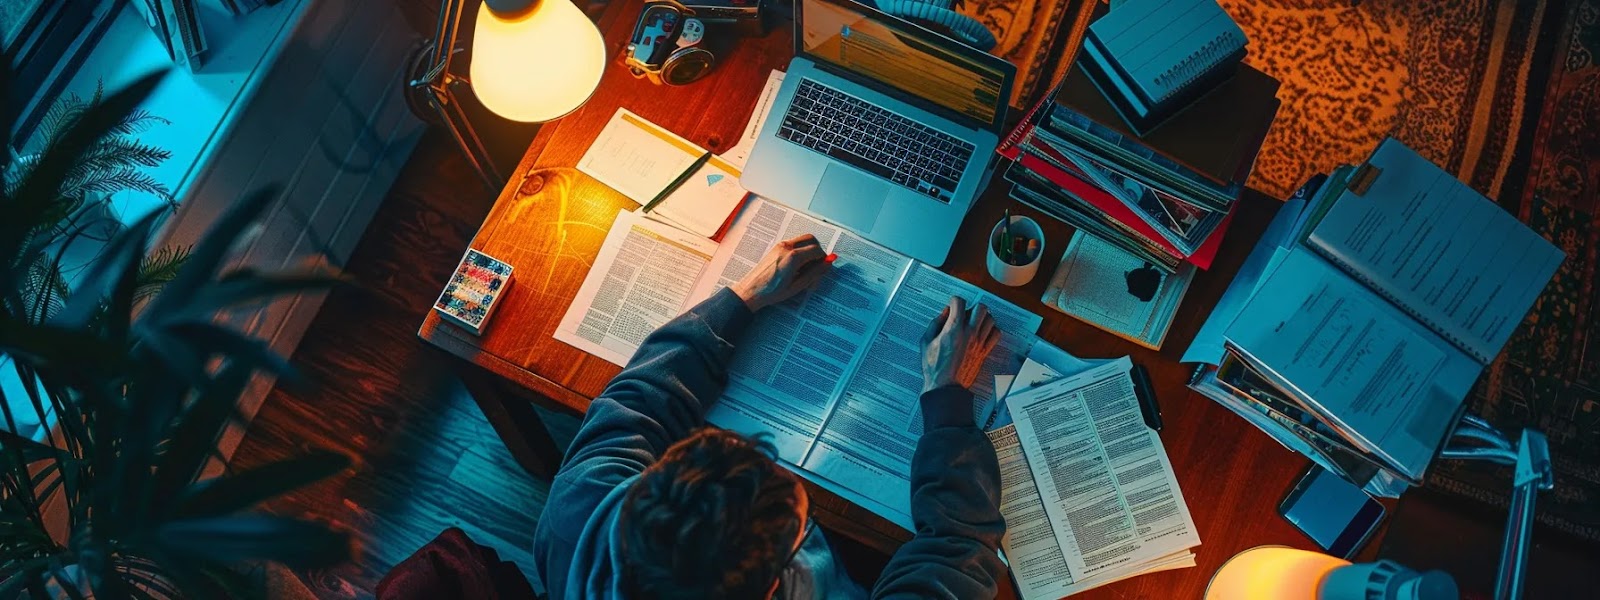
(1505, 94)
(1549, 375)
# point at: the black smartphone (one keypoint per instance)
(1334, 513)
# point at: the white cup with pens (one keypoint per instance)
(1015, 246)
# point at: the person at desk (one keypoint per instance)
(649, 503)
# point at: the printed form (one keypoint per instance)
(638, 282)
(1103, 480)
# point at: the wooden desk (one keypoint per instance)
(550, 220)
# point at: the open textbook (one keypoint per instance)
(833, 375)
(1088, 492)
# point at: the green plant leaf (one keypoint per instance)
(36, 193)
(53, 345)
(194, 435)
(230, 494)
(295, 543)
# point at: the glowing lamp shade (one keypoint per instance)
(536, 64)
(1272, 573)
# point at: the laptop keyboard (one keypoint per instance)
(875, 140)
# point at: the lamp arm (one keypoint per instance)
(444, 43)
(1533, 475)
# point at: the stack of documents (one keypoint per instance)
(1088, 492)
(1360, 322)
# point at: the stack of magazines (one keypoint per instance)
(1163, 200)
(1167, 196)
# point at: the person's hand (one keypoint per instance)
(956, 344)
(789, 268)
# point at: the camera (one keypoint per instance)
(665, 47)
(668, 44)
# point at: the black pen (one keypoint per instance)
(676, 183)
(1145, 391)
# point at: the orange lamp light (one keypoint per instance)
(534, 61)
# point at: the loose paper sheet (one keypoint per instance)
(637, 157)
(641, 280)
(1104, 479)
(740, 152)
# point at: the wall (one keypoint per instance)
(327, 123)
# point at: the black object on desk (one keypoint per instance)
(1145, 390)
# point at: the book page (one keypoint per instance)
(1440, 250)
(1030, 541)
(793, 359)
(1107, 483)
(642, 278)
(869, 439)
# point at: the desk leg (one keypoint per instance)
(515, 420)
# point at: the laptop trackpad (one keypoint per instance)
(849, 197)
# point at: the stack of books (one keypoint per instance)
(1165, 198)
(1357, 326)
(1152, 58)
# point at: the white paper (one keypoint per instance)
(1106, 482)
(1441, 250)
(637, 157)
(1092, 285)
(1045, 363)
(641, 279)
(705, 200)
(1030, 543)
(740, 152)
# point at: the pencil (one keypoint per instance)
(677, 183)
(1005, 239)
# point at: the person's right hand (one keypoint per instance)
(790, 267)
(956, 344)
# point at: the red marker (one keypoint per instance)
(830, 258)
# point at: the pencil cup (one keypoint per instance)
(1007, 271)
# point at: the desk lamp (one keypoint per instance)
(532, 61)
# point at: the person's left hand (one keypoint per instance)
(791, 267)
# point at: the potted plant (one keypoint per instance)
(105, 502)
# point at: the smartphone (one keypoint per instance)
(1334, 513)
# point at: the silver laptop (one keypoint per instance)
(882, 127)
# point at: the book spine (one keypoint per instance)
(1350, 269)
(1008, 147)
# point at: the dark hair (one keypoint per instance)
(714, 518)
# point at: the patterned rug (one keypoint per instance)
(1549, 375)
(1447, 78)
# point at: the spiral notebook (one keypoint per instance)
(1154, 57)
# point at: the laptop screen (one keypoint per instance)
(911, 59)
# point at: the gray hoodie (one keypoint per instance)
(663, 395)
